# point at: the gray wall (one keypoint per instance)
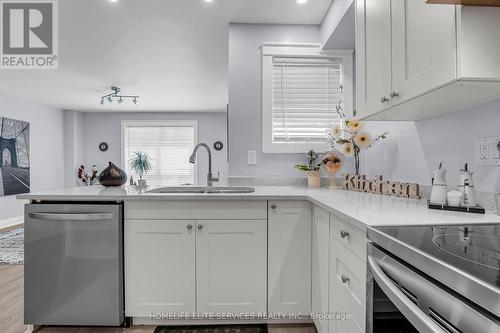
(46, 148)
(412, 151)
(245, 97)
(99, 127)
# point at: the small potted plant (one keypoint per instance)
(140, 163)
(312, 168)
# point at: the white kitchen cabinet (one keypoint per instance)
(423, 48)
(231, 266)
(320, 266)
(289, 257)
(373, 56)
(415, 60)
(159, 267)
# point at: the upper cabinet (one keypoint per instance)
(373, 55)
(416, 60)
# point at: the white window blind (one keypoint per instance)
(306, 93)
(168, 144)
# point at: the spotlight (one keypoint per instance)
(301, 2)
(117, 97)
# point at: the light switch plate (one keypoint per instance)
(252, 157)
(486, 151)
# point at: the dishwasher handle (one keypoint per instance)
(72, 216)
(410, 310)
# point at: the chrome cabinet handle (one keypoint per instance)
(384, 100)
(189, 226)
(344, 279)
(394, 94)
(200, 226)
(344, 234)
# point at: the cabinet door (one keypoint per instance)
(320, 264)
(231, 266)
(424, 50)
(159, 267)
(373, 56)
(289, 259)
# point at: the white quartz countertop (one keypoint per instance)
(361, 209)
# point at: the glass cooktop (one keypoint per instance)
(473, 249)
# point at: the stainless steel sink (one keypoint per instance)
(203, 189)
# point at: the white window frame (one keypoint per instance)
(157, 123)
(271, 50)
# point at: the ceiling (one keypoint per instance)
(173, 53)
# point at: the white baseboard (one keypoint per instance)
(5, 223)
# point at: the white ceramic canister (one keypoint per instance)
(439, 188)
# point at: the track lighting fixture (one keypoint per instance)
(120, 98)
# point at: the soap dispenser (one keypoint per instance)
(439, 187)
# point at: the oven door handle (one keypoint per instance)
(422, 322)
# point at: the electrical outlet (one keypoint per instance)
(252, 157)
(487, 151)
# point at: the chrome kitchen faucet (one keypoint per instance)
(192, 160)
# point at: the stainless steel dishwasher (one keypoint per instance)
(73, 271)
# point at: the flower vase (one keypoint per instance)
(332, 184)
(356, 160)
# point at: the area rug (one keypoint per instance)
(12, 247)
(213, 329)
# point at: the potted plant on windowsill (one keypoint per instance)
(140, 163)
(312, 168)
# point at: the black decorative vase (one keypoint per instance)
(112, 176)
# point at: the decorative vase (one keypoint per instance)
(314, 179)
(112, 176)
(332, 184)
(356, 159)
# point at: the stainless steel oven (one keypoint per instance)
(433, 279)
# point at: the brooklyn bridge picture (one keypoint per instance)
(14, 156)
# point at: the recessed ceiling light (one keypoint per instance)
(209, 0)
(301, 2)
(113, 0)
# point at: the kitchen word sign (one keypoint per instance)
(377, 185)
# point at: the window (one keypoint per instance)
(169, 144)
(303, 90)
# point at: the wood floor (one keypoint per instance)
(11, 310)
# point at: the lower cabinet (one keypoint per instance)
(347, 286)
(159, 267)
(188, 266)
(320, 267)
(231, 269)
(289, 258)
(343, 323)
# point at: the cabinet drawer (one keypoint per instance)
(348, 279)
(196, 210)
(344, 323)
(353, 238)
